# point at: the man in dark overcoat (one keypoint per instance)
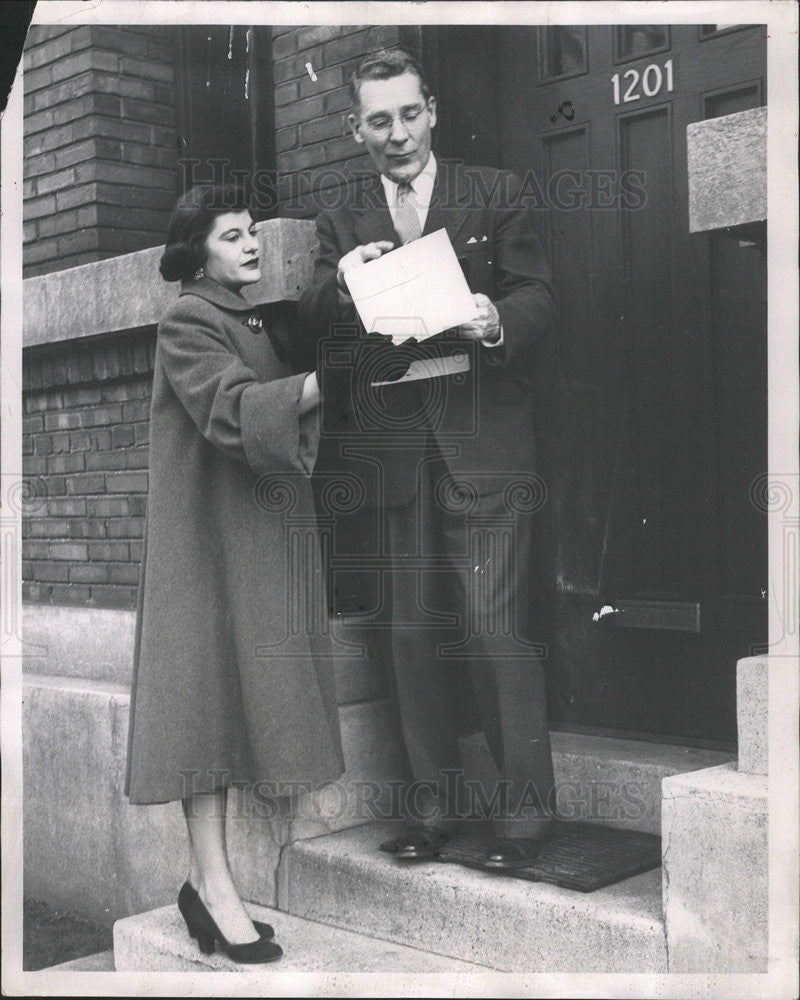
(441, 433)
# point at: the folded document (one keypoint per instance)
(417, 291)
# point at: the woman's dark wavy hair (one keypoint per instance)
(190, 223)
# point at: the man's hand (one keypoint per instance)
(486, 325)
(358, 256)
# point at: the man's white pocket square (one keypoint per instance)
(474, 239)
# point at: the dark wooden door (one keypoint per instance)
(226, 131)
(652, 397)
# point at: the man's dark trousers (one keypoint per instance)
(480, 433)
(470, 567)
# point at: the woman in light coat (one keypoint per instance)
(226, 691)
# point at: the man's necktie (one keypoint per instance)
(406, 220)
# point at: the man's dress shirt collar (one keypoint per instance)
(421, 191)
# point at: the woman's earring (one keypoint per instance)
(199, 274)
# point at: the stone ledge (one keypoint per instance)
(97, 644)
(86, 848)
(727, 166)
(101, 961)
(715, 871)
(722, 782)
(115, 858)
(504, 923)
(614, 782)
(93, 643)
(127, 292)
(669, 756)
(158, 942)
(752, 696)
(599, 779)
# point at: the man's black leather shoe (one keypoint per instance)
(417, 842)
(514, 852)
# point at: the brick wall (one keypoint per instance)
(100, 180)
(85, 445)
(100, 142)
(314, 145)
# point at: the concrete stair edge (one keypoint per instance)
(504, 923)
(667, 756)
(100, 961)
(601, 779)
(715, 871)
(157, 941)
(117, 858)
(96, 644)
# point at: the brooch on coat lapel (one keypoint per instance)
(253, 320)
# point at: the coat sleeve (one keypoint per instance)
(319, 303)
(255, 422)
(523, 294)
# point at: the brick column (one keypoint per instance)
(100, 142)
(315, 150)
(86, 428)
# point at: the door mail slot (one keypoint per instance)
(677, 616)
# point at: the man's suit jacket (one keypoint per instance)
(481, 422)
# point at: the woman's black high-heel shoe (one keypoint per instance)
(187, 894)
(201, 925)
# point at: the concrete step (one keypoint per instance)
(97, 644)
(88, 643)
(716, 885)
(158, 942)
(83, 839)
(504, 923)
(603, 780)
(101, 961)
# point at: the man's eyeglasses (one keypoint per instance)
(384, 124)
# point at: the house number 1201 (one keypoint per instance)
(649, 81)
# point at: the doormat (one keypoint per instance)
(579, 856)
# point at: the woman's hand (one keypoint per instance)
(310, 396)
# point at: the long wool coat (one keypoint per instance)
(231, 682)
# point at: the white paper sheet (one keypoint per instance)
(417, 290)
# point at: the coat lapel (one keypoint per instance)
(373, 219)
(374, 225)
(448, 209)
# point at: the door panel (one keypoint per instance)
(225, 105)
(651, 399)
